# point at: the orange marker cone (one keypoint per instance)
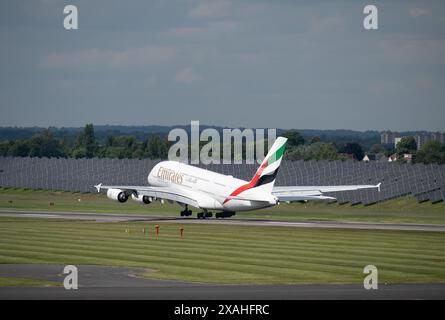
(157, 229)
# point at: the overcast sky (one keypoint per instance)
(276, 64)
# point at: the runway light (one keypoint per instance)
(157, 229)
(181, 231)
(143, 231)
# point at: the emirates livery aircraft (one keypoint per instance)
(210, 191)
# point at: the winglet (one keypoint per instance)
(378, 186)
(98, 187)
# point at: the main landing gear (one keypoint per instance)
(224, 214)
(186, 212)
(218, 215)
(204, 215)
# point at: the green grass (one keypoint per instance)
(21, 282)
(228, 254)
(400, 210)
(405, 209)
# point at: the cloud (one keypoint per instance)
(418, 12)
(40, 8)
(187, 76)
(210, 29)
(211, 9)
(149, 82)
(326, 24)
(133, 57)
(412, 50)
(425, 81)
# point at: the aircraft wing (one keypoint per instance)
(299, 193)
(156, 193)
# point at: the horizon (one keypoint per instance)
(211, 126)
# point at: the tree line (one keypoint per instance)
(85, 145)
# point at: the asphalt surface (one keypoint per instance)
(97, 282)
(229, 221)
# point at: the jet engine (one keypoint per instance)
(142, 199)
(117, 195)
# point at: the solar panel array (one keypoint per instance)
(425, 182)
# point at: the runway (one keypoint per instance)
(97, 282)
(111, 217)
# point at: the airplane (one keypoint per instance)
(211, 191)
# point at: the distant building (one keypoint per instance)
(393, 158)
(424, 137)
(393, 138)
(438, 136)
(379, 157)
(421, 138)
(369, 157)
(408, 158)
(388, 137)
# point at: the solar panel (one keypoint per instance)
(426, 182)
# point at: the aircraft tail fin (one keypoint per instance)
(266, 174)
(264, 178)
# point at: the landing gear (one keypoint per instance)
(204, 215)
(218, 215)
(186, 212)
(224, 214)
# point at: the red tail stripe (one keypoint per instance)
(250, 184)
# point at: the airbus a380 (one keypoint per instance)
(210, 191)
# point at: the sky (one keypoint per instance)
(240, 63)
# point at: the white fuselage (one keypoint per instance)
(211, 189)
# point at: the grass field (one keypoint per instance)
(228, 254)
(21, 282)
(405, 209)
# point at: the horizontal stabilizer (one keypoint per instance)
(305, 198)
(98, 187)
(247, 198)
